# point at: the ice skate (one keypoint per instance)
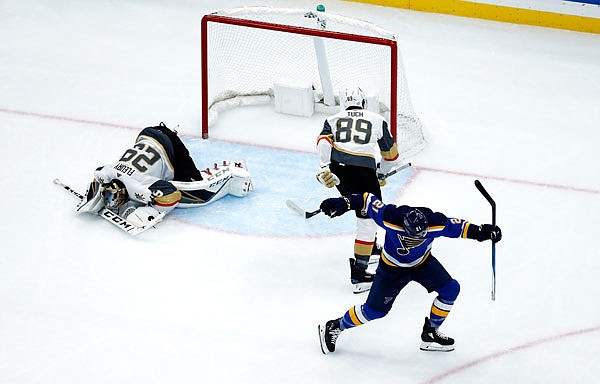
(328, 334)
(434, 340)
(360, 278)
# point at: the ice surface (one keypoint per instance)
(198, 300)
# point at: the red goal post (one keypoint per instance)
(245, 50)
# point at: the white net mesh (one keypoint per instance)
(247, 60)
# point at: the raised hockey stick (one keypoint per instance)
(111, 216)
(493, 204)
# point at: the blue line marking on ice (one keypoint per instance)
(277, 175)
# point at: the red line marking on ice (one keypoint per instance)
(511, 180)
(63, 118)
(418, 168)
(518, 348)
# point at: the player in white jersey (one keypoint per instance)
(156, 174)
(354, 147)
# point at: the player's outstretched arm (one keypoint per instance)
(484, 232)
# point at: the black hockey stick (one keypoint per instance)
(308, 214)
(296, 208)
(68, 189)
(394, 171)
(493, 204)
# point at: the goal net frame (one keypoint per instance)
(388, 41)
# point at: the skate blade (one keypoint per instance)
(322, 339)
(434, 347)
(361, 287)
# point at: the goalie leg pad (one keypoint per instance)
(229, 178)
(143, 216)
(240, 183)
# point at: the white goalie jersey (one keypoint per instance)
(140, 169)
(140, 188)
(146, 174)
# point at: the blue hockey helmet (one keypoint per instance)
(415, 223)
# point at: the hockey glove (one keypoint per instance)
(335, 206)
(92, 202)
(485, 232)
(340, 205)
(327, 178)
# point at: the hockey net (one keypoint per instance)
(245, 51)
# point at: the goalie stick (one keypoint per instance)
(111, 216)
(308, 214)
(487, 196)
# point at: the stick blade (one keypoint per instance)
(294, 207)
(485, 193)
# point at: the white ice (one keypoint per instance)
(517, 107)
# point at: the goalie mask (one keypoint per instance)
(114, 194)
(415, 223)
(354, 97)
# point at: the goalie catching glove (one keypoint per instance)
(92, 201)
(327, 178)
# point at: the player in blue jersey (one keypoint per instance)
(355, 147)
(406, 257)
